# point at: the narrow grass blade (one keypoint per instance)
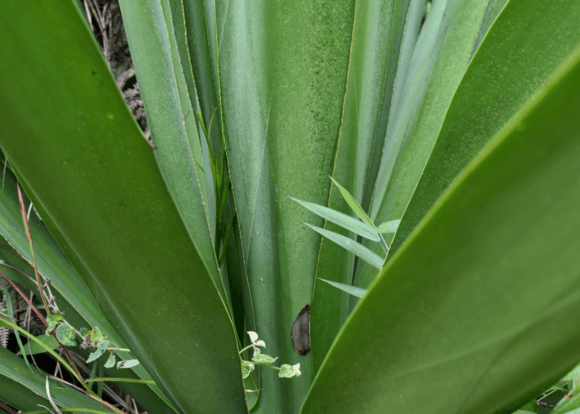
(352, 290)
(353, 204)
(349, 244)
(341, 219)
(35, 348)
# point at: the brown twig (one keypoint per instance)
(29, 238)
(7, 409)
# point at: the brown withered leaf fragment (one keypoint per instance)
(300, 333)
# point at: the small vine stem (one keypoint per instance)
(246, 348)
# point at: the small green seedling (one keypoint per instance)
(361, 226)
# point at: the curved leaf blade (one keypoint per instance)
(106, 203)
(353, 204)
(25, 389)
(351, 290)
(282, 77)
(384, 33)
(458, 326)
(71, 292)
(165, 82)
(495, 86)
(352, 246)
(421, 100)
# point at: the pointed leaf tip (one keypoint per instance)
(352, 290)
(353, 204)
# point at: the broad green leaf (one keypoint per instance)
(389, 226)
(352, 246)
(378, 50)
(130, 234)
(511, 64)
(351, 290)
(494, 8)
(166, 81)
(421, 99)
(458, 326)
(72, 294)
(347, 222)
(36, 348)
(283, 69)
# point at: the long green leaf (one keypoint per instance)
(24, 389)
(347, 222)
(487, 283)
(72, 294)
(384, 32)
(106, 203)
(17, 395)
(283, 68)
(36, 348)
(350, 245)
(351, 290)
(165, 81)
(509, 67)
(494, 8)
(421, 99)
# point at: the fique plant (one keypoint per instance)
(462, 123)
